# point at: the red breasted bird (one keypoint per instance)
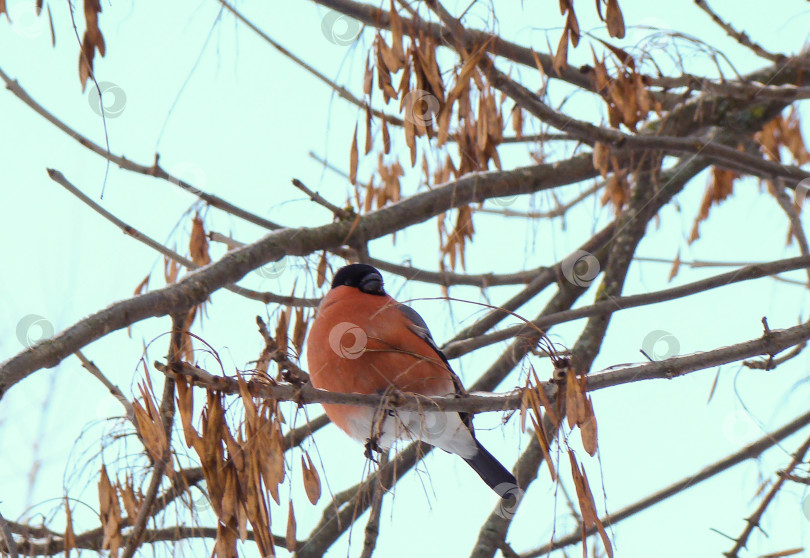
(364, 341)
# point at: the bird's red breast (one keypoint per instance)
(362, 343)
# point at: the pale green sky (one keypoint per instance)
(242, 127)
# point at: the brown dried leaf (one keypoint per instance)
(676, 266)
(185, 406)
(367, 147)
(142, 285)
(614, 19)
(368, 77)
(601, 158)
(131, 503)
(587, 506)
(198, 242)
(792, 137)
(281, 330)
(588, 428)
(396, 35)
(789, 552)
(150, 423)
(187, 344)
(392, 62)
(770, 138)
(383, 75)
(560, 62)
(110, 514)
(171, 269)
(538, 63)
(300, 330)
(544, 445)
(312, 482)
(93, 41)
(573, 398)
(410, 139)
(321, 273)
(573, 27)
(386, 137)
(720, 187)
(290, 534)
(353, 158)
(272, 460)
(617, 190)
(517, 121)
(70, 535)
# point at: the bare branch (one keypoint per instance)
(739, 36)
(751, 451)
(113, 389)
(753, 271)
(266, 298)
(197, 286)
(179, 326)
(8, 539)
(126, 164)
(752, 522)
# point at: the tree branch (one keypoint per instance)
(751, 451)
(197, 286)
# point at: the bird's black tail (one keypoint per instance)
(493, 473)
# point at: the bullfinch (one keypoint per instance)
(364, 341)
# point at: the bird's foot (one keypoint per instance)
(371, 447)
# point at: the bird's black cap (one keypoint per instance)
(360, 276)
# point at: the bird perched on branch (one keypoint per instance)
(364, 341)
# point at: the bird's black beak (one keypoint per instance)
(372, 284)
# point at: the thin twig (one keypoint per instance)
(341, 91)
(446, 278)
(752, 522)
(751, 451)
(550, 214)
(771, 343)
(338, 212)
(739, 36)
(794, 478)
(179, 326)
(111, 387)
(126, 164)
(265, 297)
(749, 272)
(373, 525)
(93, 540)
(8, 538)
(770, 363)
